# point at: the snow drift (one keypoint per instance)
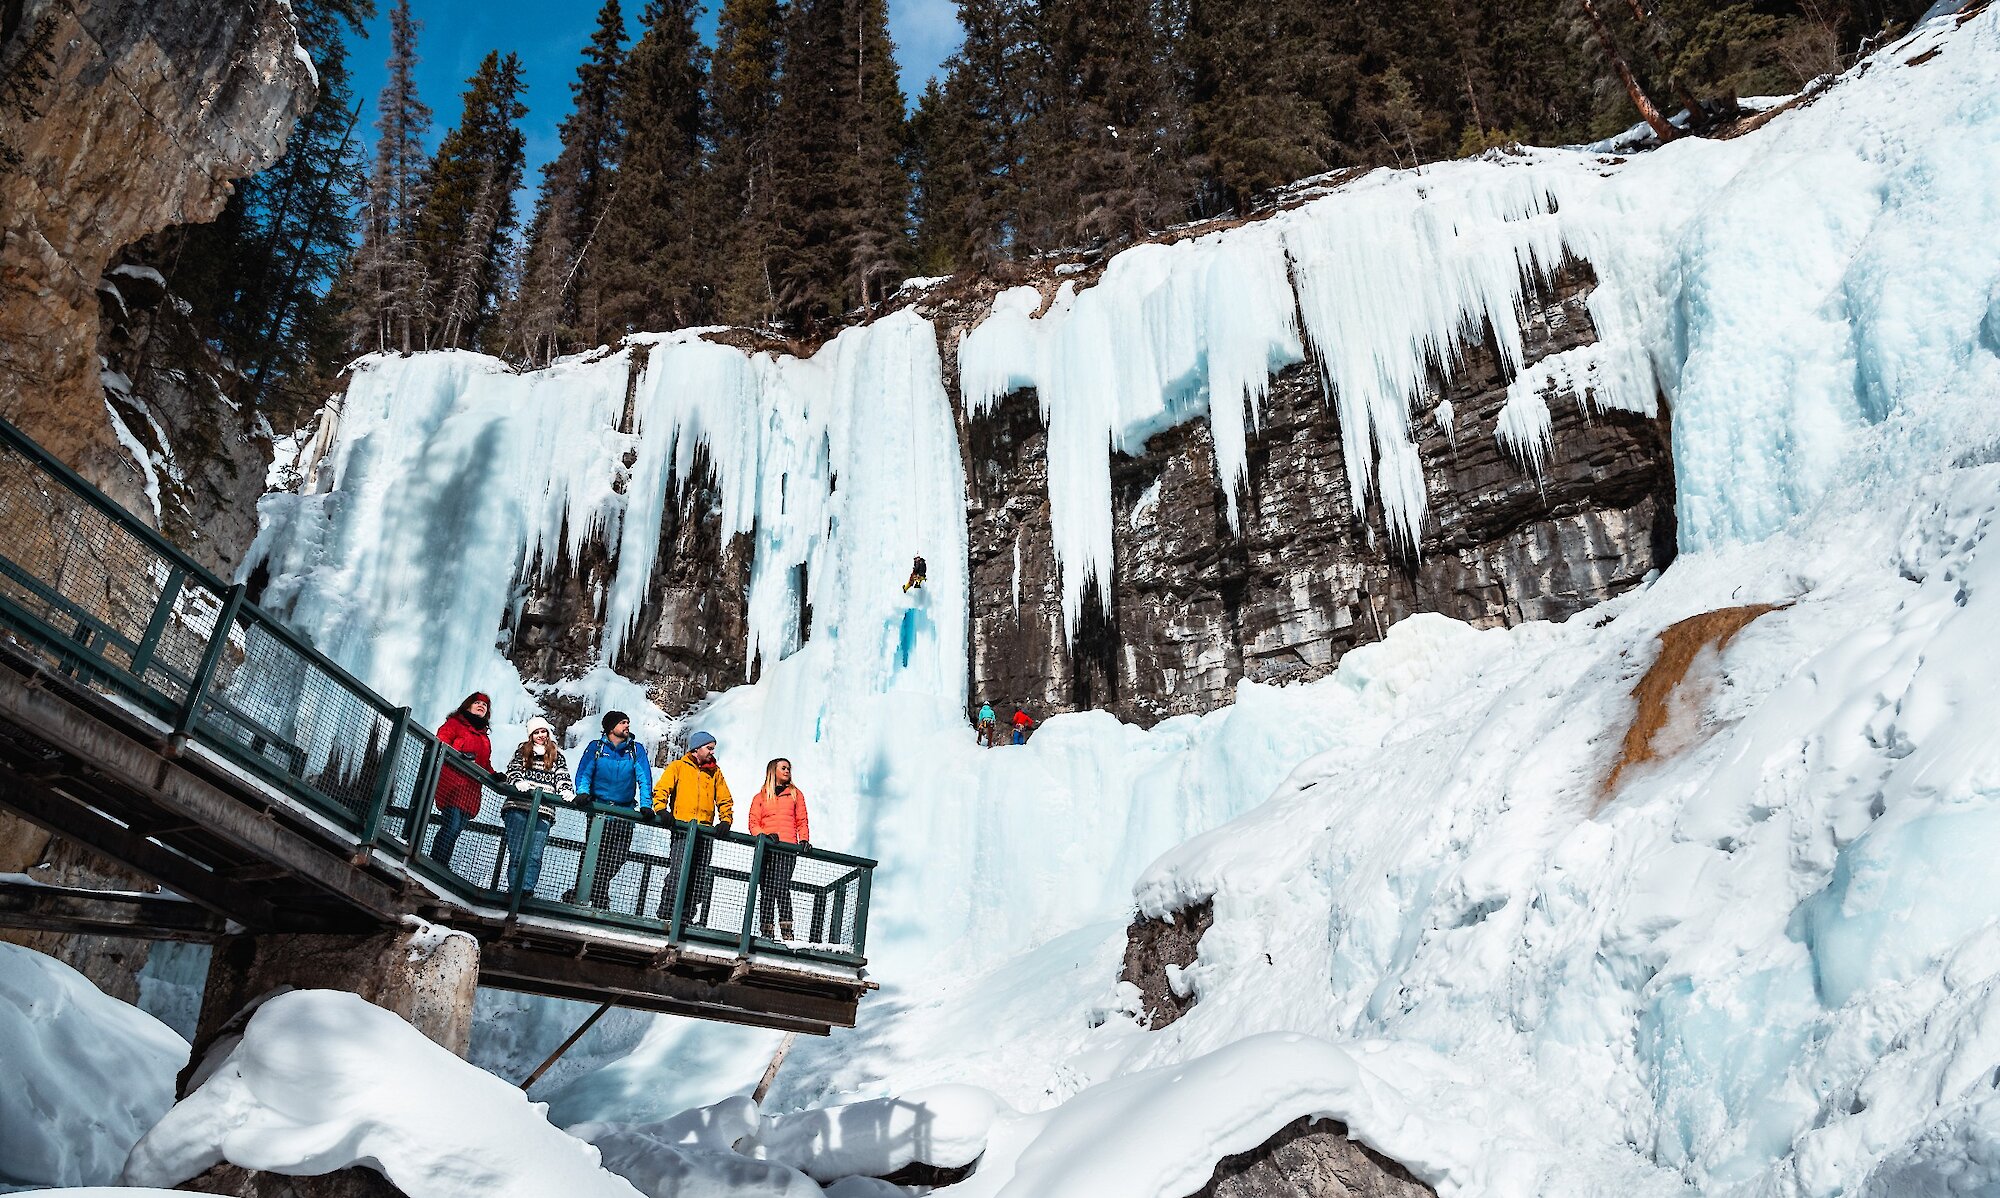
(88, 1074)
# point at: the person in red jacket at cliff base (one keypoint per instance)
(778, 810)
(457, 795)
(1022, 723)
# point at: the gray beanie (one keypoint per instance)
(698, 740)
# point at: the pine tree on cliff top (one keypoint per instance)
(806, 262)
(945, 156)
(257, 278)
(1252, 122)
(556, 308)
(651, 263)
(843, 190)
(743, 93)
(468, 214)
(1105, 157)
(387, 276)
(994, 82)
(874, 176)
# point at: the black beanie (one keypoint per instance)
(612, 719)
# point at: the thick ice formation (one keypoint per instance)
(1765, 967)
(86, 1074)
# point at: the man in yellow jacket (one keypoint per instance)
(693, 791)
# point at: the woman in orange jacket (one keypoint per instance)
(778, 810)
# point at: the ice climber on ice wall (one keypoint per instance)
(1766, 963)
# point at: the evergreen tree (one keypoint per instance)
(463, 229)
(386, 285)
(557, 304)
(1105, 157)
(806, 265)
(1253, 122)
(946, 154)
(743, 90)
(257, 277)
(650, 256)
(842, 187)
(874, 177)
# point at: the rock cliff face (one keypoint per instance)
(1196, 606)
(119, 118)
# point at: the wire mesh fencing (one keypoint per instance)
(87, 589)
(289, 711)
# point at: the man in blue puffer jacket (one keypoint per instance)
(613, 770)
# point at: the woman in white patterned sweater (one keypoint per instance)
(537, 765)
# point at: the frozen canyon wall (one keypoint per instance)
(1196, 605)
(124, 117)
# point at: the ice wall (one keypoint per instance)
(1763, 285)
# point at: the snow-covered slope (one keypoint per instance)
(86, 1074)
(1759, 965)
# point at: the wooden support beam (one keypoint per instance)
(101, 913)
(75, 821)
(169, 787)
(510, 967)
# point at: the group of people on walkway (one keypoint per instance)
(613, 772)
(987, 723)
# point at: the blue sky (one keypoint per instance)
(550, 37)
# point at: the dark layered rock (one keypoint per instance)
(1312, 1158)
(1152, 947)
(692, 629)
(1196, 605)
(238, 1182)
(167, 386)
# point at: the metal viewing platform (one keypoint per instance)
(151, 713)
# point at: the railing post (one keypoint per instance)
(157, 626)
(518, 863)
(586, 869)
(211, 657)
(682, 878)
(750, 897)
(861, 913)
(421, 797)
(821, 930)
(387, 770)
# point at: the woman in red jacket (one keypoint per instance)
(457, 795)
(779, 810)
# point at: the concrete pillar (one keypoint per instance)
(423, 973)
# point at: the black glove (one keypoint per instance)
(805, 846)
(649, 815)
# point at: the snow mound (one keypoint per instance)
(87, 1074)
(323, 1080)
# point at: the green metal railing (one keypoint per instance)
(109, 602)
